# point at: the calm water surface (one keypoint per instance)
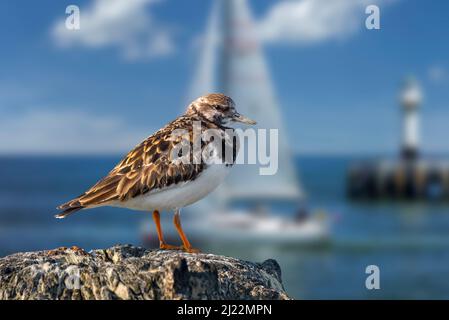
(409, 242)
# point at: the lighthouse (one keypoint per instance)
(409, 178)
(410, 99)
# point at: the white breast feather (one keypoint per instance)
(179, 195)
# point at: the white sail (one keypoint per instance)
(238, 69)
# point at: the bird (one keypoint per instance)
(163, 174)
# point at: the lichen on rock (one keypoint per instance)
(128, 272)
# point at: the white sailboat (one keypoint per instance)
(232, 62)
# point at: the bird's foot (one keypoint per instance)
(190, 249)
(165, 246)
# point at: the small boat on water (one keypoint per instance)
(251, 227)
(258, 227)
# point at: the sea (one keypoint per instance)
(408, 243)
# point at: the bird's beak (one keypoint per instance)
(239, 118)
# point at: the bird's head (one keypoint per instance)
(217, 108)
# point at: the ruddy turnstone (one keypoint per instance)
(164, 172)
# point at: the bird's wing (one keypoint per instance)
(148, 167)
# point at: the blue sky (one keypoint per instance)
(118, 81)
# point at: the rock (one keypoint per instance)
(128, 272)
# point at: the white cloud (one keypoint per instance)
(313, 21)
(124, 24)
(66, 132)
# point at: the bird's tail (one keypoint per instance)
(69, 208)
(104, 191)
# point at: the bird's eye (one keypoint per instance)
(220, 107)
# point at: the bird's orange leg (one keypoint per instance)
(162, 243)
(186, 244)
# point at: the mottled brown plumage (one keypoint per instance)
(150, 166)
